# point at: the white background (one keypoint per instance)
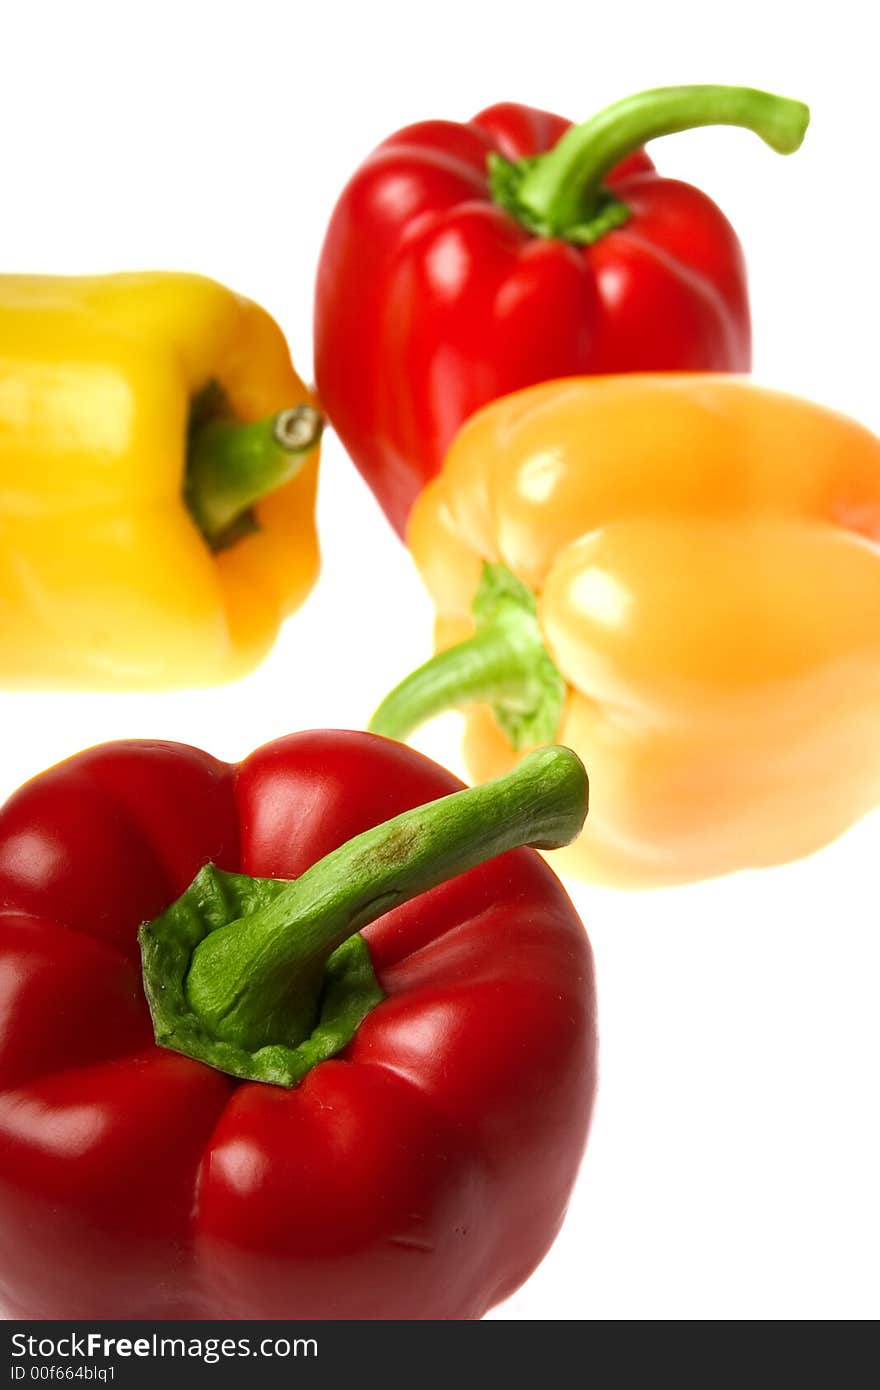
(732, 1170)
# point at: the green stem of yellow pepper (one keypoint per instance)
(231, 466)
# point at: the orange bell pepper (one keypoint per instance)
(678, 576)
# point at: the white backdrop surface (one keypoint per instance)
(732, 1168)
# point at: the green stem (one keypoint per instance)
(505, 664)
(484, 669)
(231, 466)
(254, 983)
(561, 192)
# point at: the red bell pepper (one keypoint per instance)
(463, 262)
(375, 1126)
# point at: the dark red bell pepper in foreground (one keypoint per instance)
(463, 262)
(424, 1092)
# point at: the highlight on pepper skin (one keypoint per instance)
(158, 468)
(362, 1085)
(485, 256)
(678, 576)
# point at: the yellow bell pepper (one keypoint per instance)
(679, 577)
(158, 467)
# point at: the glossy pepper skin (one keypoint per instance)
(458, 267)
(420, 1173)
(705, 557)
(105, 577)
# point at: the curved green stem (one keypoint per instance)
(484, 669)
(561, 193)
(505, 664)
(231, 466)
(244, 977)
(228, 990)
